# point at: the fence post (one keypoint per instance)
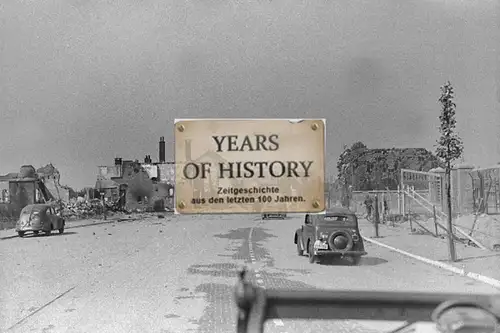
(409, 215)
(382, 205)
(381, 208)
(435, 220)
(376, 220)
(404, 203)
(399, 199)
(496, 197)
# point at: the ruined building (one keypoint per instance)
(30, 186)
(143, 185)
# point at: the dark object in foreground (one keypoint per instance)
(256, 305)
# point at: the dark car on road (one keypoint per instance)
(271, 216)
(331, 234)
(39, 217)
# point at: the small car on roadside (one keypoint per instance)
(273, 216)
(331, 234)
(39, 217)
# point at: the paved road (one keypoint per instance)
(176, 275)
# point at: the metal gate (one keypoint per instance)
(427, 184)
(485, 189)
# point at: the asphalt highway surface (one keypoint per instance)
(177, 274)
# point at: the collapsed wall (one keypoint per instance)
(50, 176)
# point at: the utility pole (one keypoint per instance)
(376, 219)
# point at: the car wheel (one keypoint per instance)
(36, 232)
(300, 250)
(48, 232)
(312, 257)
(61, 230)
(20, 233)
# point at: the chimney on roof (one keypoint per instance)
(162, 150)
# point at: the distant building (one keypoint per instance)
(166, 173)
(139, 185)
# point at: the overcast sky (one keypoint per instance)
(83, 81)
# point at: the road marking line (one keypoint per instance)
(278, 322)
(478, 277)
(40, 309)
(250, 246)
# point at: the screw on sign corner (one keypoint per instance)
(181, 128)
(314, 126)
(315, 204)
(181, 205)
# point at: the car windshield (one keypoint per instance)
(178, 141)
(337, 218)
(32, 210)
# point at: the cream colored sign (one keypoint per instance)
(249, 166)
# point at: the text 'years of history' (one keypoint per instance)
(250, 168)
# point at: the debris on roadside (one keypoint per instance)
(88, 209)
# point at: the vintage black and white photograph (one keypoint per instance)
(218, 166)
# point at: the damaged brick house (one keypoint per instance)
(30, 186)
(139, 185)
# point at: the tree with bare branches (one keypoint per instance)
(449, 148)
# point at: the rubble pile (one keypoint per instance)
(81, 209)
